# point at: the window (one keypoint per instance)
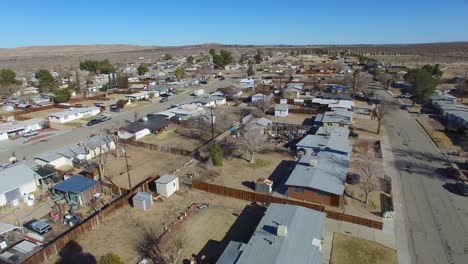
(299, 189)
(341, 125)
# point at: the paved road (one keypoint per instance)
(436, 217)
(118, 120)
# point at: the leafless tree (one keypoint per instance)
(368, 180)
(251, 141)
(152, 245)
(379, 113)
(263, 105)
(358, 81)
(339, 66)
(385, 79)
(9, 89)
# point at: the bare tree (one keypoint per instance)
(263, 105)
(385, 79)
(152, 245)
(358, 81)
(368, 180)
(339, 66)
(251, 141)
(379, 113)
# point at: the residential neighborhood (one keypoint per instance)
(233, 153)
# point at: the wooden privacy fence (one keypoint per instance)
(158, 148)
(91, 222)
(263, 198)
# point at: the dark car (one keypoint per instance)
(164, 99)
(203, 82)
(462, 188)
(353, 134)
(93, 122)
(105, 118)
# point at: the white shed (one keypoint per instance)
(281, 110)
(167, 184)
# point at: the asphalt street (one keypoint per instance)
(436, 216)
(120, 119)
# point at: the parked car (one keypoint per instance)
(38, 226)
(462, 188)
(105, 118)
(30, 134)
(353, 134)
(164, 99)
(93, 122)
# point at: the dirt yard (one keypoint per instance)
(172, 138)
(436, 131)
(43, 113)
(143, 164)
(240, 173)
(198, 236)
(365, 123)
(349, 250)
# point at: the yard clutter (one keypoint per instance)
(142, 201)
(167, 185)
(77, 189)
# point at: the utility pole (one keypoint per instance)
(212, 124)
(126, 165)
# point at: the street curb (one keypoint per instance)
(427, 133)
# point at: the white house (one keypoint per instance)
(281, 110)
(138, 96)
(85, 150)
(247, 83)
(259, 97)
(167, 184)
(17, 181)
(21, 127)
(73, 114)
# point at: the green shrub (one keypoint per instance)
(217, 155)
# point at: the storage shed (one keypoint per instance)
(142, 201)
(264, 186)
(167, 184)
(78, 189)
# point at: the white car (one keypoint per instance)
(30, 134)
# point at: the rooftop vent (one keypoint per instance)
(144, 119)
(281, 230)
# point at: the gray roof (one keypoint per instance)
(303, 226)
(329, 174)
(70, 112)
(333, 139)
(5, 228)
(338, 116)
(167, 178)
(153, 123)
(16, 175)
(21, 125)
(261, 121)
(76, 149)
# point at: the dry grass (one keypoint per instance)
(350, 250)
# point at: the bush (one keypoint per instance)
(110, 258)
(121, 103)
(62, 95)
(217, 155)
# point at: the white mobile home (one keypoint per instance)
(17, 180)
(167, 185)
(73, 114)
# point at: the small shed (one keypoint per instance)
(167, 184)
(263, 186)
(142, 201)
(281, 110)
(78, 189)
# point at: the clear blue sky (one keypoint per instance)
(174, 22)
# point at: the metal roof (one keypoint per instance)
(5, 228)
(325, 171)
(153, 122)
(21, 125)
(338, 116)
(280, 107)
(167, 178)
(16, 175)
(327, 139)
(73, 111)
(75, 184)
(304, 230)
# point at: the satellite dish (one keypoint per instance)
(12, 159)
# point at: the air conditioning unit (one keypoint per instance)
(281, 230)
(314, 163)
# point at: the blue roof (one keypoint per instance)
(319, 118)
(300, 245)
(76, 184)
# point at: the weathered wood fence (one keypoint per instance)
(263, 198)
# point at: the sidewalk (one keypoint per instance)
(400, 221)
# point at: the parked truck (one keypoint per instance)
(198, 92)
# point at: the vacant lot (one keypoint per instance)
(293, 118)
(349, 250)
(143, 164)
(172, 137)
(43, 113)
(210, 224)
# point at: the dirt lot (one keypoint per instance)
(348, 249)
(364, 123)
(436, 131)
(171, 138)
(239, 172)
(197, 235)
(143, 164)
(44, 113)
